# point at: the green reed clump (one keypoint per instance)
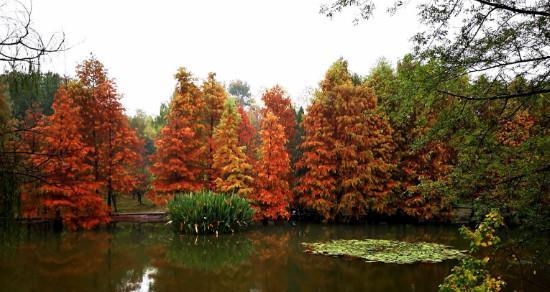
(206, 212)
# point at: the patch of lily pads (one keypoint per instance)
(386, 251)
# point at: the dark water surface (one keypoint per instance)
(152, 258)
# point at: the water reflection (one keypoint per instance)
(146, 284)
(152, 258)
(209, 253)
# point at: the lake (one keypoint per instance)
(149, 257)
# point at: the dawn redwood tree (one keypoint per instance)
(230, 163)
(272, 195)
(214, 95)
(502, 41)
(347, 150)
(278, 102)
(247, 136)
(413, 108)
(105, 129)
(69, 188)
(316, 189)
(176, 165)
(124, 160)
(295, 141)
(430, 163)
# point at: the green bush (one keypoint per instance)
(206, 212)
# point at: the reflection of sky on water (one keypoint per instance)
(147, 280)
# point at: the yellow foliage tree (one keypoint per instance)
(232, 170)
(214, 96)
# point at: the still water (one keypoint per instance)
(151, 258)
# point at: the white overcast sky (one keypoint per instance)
(286, 42)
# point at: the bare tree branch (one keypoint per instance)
(22, 44)
(514, 9)
(496, 97)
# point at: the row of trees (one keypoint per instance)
(372, 145)
(80, 156)
(482, 87)
(209, 142)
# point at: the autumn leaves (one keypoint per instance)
(209, 143)
(347, 150)
(86, 151)
(344, 167)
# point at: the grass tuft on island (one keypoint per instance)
(206, 212)
(386, 251)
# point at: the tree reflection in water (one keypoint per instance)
(153, 258)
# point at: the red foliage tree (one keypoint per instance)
(177, 165)
(69, 188)
(106, 131)
(247, 135)
(272, 196)
(277, 101)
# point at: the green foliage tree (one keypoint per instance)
(144, 126)
(26, 89)
(505, 41)
(408, 98)
(160, 121)
(241, 91)
(145, 129)
(295, 151)
(8, 163)
(505, 38)
(5, 110)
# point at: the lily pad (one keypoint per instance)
(386, 251)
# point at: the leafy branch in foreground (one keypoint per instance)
(472, 273)
(501, 38)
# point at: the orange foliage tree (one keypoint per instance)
(515, 131)
(272, 196)
(317, 187)
(69, 188)
(214, 95)
(347, 150)
(230, 162)
(114, 145)
(278, 102)
(177, 165)
(247, 135)
(431, 162)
